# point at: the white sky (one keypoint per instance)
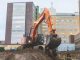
(61, 6)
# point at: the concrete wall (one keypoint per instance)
(9, 23)
(8, 47)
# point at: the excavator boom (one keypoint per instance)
(44, 16)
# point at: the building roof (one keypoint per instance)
(65, 14)
(20, 2)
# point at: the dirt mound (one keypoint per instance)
(28, 54)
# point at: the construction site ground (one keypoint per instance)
(27, 54)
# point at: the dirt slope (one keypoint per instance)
(27, 54)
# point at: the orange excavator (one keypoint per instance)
(32, 39)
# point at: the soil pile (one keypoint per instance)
(27, 54)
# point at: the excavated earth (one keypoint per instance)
(27, 54)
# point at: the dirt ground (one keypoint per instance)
(28, 54)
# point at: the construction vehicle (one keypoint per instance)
(34, 39)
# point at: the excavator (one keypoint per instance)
(33, 38)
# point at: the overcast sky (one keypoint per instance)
(61, 6)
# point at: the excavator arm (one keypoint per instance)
(44, 16)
